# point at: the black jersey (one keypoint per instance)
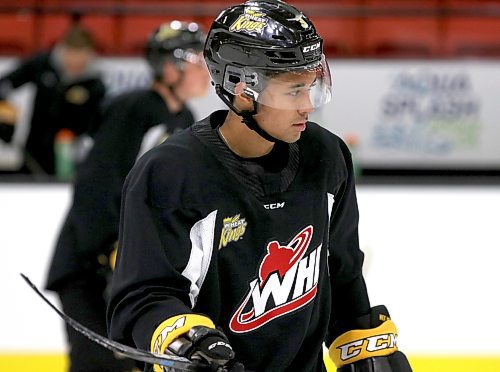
(271, 256)
(59, 103)
(91, 226)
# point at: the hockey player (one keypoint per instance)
(238, 239)
(129, 123)
(68, 93)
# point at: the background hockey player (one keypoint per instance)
(68, 93)
(238, 239)
(129, 124)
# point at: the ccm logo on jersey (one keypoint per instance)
(369, 344)
(311, 48)
(287, 276)
(274, 205)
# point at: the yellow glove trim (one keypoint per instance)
(8, 113)
(112, 257)
(359, 344)
(174, 327)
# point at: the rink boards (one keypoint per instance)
(432, 257)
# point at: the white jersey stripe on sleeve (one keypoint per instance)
(331, 200)
(202, 240)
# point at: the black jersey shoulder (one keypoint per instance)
(142, 107)
(187, 168)
(28, 70)
(175, 173)
(147, 107)
(132, 98)
(41, 61)
(324, 151)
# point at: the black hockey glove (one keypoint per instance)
(395, 362)
(209, 346)
(369, 344)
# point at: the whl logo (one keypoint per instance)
(286, 276)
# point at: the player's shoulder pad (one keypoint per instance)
(127, 99)
(322, 147)
(320, 138)
(169, 166)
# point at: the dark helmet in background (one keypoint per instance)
(257, 41)
(175, 41)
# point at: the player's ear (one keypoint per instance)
(241, 100)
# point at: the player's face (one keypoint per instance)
(288, 105)
(193, 81)
(196, 78)
(75, 60)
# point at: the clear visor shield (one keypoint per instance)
(304, 89)
(190, 56)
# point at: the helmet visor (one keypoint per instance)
(190, 56)
(287, 89)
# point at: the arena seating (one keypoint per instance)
(351, 28)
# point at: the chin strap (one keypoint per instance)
(246, 116)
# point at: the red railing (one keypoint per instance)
(351, 28)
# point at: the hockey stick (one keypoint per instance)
(168, 362)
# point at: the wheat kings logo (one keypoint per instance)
(250, 21)
(286, 276)
(233, 230)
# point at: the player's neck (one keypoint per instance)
(173, 103)
(242, 140)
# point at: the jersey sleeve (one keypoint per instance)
(184, 120)
(103, 173)
(91, 226)
(345, 261)
(154, 249)
(26, 71)
(78, 116)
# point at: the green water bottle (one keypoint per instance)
(63, 151)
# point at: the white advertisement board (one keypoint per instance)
(423, 114)
(403, 114)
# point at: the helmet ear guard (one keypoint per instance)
(238, 81)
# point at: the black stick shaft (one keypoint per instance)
(168, 362)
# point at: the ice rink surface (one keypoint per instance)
(432, 257)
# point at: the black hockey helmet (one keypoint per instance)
(174, 41)
(257, 41)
